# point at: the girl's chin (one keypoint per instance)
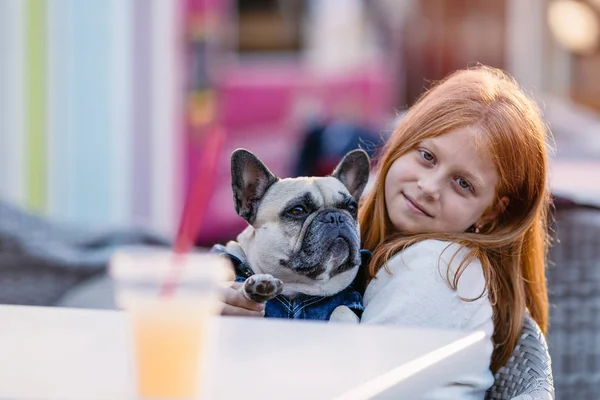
(411, 230)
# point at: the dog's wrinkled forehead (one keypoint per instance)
(321, 192)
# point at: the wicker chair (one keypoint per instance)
(527, 374)
(574, 292)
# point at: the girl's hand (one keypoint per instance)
(235, 303)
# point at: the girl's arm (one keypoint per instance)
(417, 294)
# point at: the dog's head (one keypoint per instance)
(303, 231)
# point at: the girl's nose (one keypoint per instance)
(430, 187)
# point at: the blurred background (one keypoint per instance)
(105, 106)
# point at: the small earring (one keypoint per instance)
(476, 229)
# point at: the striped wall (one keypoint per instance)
(90, 111)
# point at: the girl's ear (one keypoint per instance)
(493, 212)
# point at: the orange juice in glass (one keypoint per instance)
(169, 331)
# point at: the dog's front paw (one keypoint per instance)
(344, 314)
(262, 287)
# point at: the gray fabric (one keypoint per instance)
(574, 292)
(95, 293)
(534, 396)
(528, 373)
(40, 260)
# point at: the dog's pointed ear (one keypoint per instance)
(353, 172)
(250, 179)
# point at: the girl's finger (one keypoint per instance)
(235, 298)
(241, 312)
(237, 285)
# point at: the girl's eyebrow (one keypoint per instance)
(474, 179)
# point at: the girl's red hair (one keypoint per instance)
(513, 249)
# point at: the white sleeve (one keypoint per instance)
(417, 294)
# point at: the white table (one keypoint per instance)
(61, 353)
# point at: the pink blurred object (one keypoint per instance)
(196, 204)
(262, 109)
(201, 191)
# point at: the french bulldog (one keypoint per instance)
(301, 248)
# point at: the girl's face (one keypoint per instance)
(445, 185)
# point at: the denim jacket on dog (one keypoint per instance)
(301, 306)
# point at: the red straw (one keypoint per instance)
(195, 205)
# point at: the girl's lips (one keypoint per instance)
(416, 206)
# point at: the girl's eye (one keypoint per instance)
(463, 183)
(427, 156)
(298, 211)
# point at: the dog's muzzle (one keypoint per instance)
(331, 238)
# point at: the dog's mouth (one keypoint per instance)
(327, 250)
(337, 256)
(340, 249)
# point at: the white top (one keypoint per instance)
(417, 294)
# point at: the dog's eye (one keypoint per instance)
(352, 207)
(298, 211)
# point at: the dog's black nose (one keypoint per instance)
(332, 217)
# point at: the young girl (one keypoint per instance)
(456, 219)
